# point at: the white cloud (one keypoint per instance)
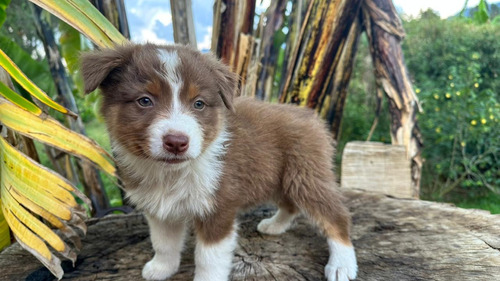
(165, 17)
(445, 8)
(206, 44)
(147, 35)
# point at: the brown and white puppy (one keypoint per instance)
(190, 153)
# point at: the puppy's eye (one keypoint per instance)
(199, 105)
(145, 102)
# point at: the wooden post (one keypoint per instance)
(182, 20)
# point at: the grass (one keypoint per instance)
(491, 203)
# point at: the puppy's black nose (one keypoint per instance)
(176, 144)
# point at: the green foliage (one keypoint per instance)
(3, 6)
(361, 102)
(37, 71)
(455, 65)
(20, 27)
(482, 15)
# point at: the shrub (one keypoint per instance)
(455, 66)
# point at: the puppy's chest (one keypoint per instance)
(175, 194)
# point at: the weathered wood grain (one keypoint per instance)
(182, 21)
(377, 167)
(395, 239)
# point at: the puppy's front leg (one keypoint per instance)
(216, 241)
(167, 239)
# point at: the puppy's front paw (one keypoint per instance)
(342, 265)
(155, 270)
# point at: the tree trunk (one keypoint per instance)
(321, 46)
(114, 11)
(224, 35)
(385, 32)
(91, 178)
(395, 239)
(231, 20)
(182, 19)
(295, 21)
(334, 96)
(269, 52)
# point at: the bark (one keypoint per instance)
(292, 38)
(274, 21)
(385, 32)
(182, 19)
(231, 20)
(114, 11)
(321, 46)
(395, 239)
(224, 37)
(334, 96)
(233, 41)
(91, 178)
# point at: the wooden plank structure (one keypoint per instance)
(395, 239)
(377, 167)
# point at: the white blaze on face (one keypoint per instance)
(177, 119)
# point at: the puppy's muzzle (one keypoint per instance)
(176, 143)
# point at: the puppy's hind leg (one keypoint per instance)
(168, 240)
(314, 192)
(280, 222)
(333, 219)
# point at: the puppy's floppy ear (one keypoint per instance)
(97, 65)
(227, 81)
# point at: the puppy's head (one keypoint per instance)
(165, 103)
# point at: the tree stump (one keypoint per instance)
(395, 239)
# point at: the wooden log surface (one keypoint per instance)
(395, 239)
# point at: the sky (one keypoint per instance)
(445, 8)
(151, 20)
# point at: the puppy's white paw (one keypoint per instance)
(271, 227)
(155, 270)
(342, 265)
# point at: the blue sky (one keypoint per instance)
(151, 20)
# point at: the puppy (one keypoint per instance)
(188, 152)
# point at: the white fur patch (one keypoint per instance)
(174, 191)
(177, 119)
(342, 265)
(168, 240)
(171, 61)
(277, 224)
(213, 261)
